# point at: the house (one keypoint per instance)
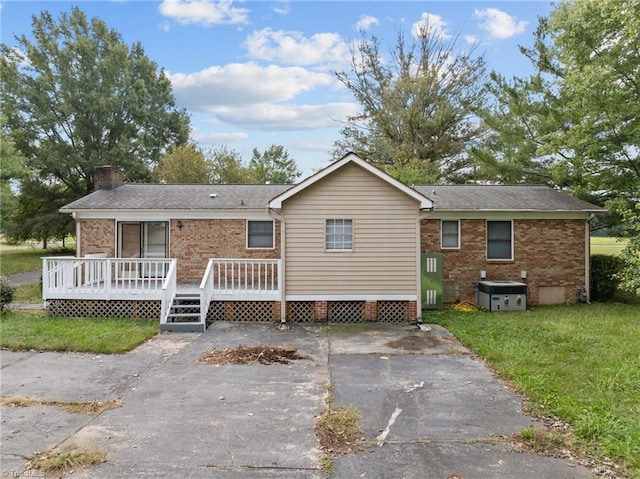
(345, 244)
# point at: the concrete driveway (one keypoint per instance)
(427, 407)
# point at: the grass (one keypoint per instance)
(92, 408)
(580, 363)
(24, 330)
(607, 245)
(66, 460)
(28, 293)
(21, 259)
(338, 431)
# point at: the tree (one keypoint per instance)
(77, 97)
(12, 169)
(183, 164)
(36, 215)
(274, 166)
(227, 166)
(416, 106)
(588, 54)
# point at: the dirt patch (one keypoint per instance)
(338, 431)
(251, 355)
(92, 408)
(558, 440)
(415, 342)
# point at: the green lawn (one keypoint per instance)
(20, 259)
(28, 293)
(21, 330)
(580, 363)
(607, 245)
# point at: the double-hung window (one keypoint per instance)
(260, 234)
(500, 240)
(339, 235)
(450, 234)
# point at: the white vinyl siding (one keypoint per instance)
(450, 238)
(500, 240)
(383, 260)
(339, 235)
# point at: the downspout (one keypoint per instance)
(78, 239)
(587, 258)
(422, 216)
(283, 305)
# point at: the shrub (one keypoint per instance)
(604, 282)
(7, 292)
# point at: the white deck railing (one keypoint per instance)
(107, 278)
(169, 289)
(242, 279)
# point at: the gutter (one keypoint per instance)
(587, 257)
(281, 273)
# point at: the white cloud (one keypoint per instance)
(431, 23)
(366, 22)
(499, 24)
(294, 48)
(241, 84)
(272, 117)
(205, 12)
(471, 39)
(282, 8)
(219, 137)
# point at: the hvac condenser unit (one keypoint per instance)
(502, 295)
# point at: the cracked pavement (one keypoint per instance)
(426, 405)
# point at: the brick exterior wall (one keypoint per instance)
(192, 245)
(550, 251)
(97, 236)
(198, 240)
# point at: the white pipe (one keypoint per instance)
(587, 257)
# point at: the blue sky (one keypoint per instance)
(257, 73)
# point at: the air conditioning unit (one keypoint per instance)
(502, 295)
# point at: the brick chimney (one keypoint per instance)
(107, 177)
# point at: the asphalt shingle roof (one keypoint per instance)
(502, 197)
(135, 196)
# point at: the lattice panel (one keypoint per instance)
(300, 311)
(253, 311)
(104, 308)
(393, 311)
(216, 311)
(346, 311)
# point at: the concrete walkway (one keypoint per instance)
(427, 407)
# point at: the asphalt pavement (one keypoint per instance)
(428, 408)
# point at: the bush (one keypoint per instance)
(604, 283)
(7, 292)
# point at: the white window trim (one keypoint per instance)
(513, 241)
(442, 236)
(273, 236)
(353, 224)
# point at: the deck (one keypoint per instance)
(101, 278)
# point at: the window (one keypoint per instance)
(499, 240)
(259, 234)
(450, 234)
(339, 235)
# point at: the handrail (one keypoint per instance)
(102, 277)
(206, 291)
(237, 275)
(169, 288)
